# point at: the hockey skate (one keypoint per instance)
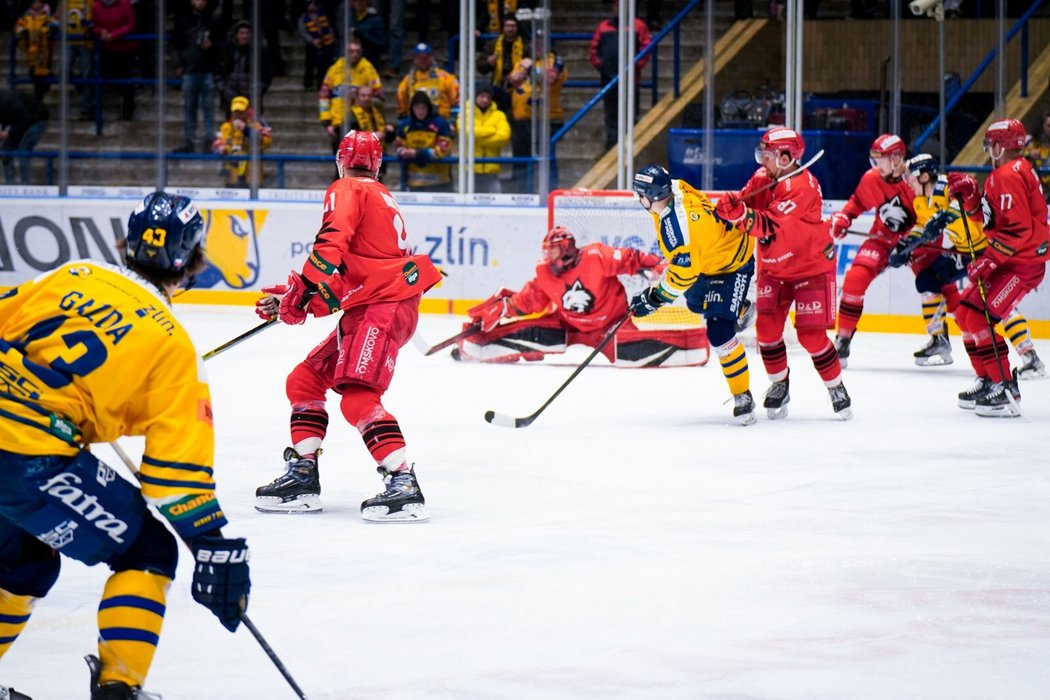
(842, 349)
(995, 403)
(968, 398)
(744, 408)
(401, 502)
(777, 398)
(1033, 367)
(938, 351)
(840, 401)
(298, 490)
(7, 693)
(746, 316)
(114, 690)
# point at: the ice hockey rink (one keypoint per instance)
(632, 543)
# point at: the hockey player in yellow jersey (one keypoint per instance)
(710, 262)
(90, 352)
(938, 250)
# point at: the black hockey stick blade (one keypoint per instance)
(239, 339)
(428, 350)
(505, 421)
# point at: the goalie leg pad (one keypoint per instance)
(530, 339)
(661, 348)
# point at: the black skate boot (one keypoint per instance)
(777, 398)
(298, 490)
(746, 316)
(114, 690)
(995, 403)
(938, 351)
(841, 344)
(840, 402)
(968, 398)
(7, 693)
(1033, 367)
(401, 502)
(744, 408)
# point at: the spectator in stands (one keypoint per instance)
(235, 68)
(112, 20)
(522, 101)
(1038, 152)
(424, 139)
(81, 52)
(441, 86)
(367, 26)
(394, 14)
(235, 139)
(35, 32)
(337, 86)
(23, 120)
(196, 61)
(319, 44)
(507, 51)
(604, 54)
(491, 134)
(273, 14)
(367, 115)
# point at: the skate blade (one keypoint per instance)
(934, 361)
(845, 414)
(777, 413)
(411, 513)
(967, 405)
(1031, 374)
(1006, 411)
(746, 419)
(300, 504)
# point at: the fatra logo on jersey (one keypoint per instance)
(63, 487)
(577, 299)
(894, 215)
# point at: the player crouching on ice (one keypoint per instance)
(360, 264)
(575, 298)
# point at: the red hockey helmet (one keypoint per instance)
(559, 247)
(1008, 134)
(886, 145)
(361, 150)
(779, 141)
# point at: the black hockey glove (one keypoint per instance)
(902, 251)
(936, 224)
(646, 302)
(220, 577)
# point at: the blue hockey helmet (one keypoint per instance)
(924, 163)
(652, 182)
(164, 231)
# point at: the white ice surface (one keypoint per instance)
(632, 543)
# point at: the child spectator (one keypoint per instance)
(35, 32)
(424, 139)
(235, 139)
(318, 44)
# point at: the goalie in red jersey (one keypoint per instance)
(361, 265)
(885, 189)
(1011, 266)
(575, 298)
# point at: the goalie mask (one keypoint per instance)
(559, 249)
(164, 231)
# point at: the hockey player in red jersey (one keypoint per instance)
(575, 297)
(360, 264)
(1010, 267)
(885, 189)
(796, 265)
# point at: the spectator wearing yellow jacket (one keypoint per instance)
(522, 102)
(441, 86)
(235, 139)
(491, 134)
(35, 32)
(337, 86)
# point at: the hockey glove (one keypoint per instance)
(934, 228)
(981, 269)
(293, 303)
(488, 313)
(902, 251)
(220, 577)
(646, 302)
(268, 306)
(838, 225)
(965, 188)
(731, 208)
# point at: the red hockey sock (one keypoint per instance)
(774, 357)
(380, 431)
(306, 392)
(852, 304)
(993, 354)
(820, 349)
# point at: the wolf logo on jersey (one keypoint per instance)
(894, 215)
(577, 299)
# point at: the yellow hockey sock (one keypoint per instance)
(129, 621)
(1016, 331)
(14, 614)
(734, 366)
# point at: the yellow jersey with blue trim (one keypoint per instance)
(695, 242)
(90, 352)
(954, 234)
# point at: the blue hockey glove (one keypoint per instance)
(646, 302)
(902, 251)
(220, 577)
(935, 226)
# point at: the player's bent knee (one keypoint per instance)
(720, 330)
(814, 340)
(28, 566)
(154, 549)
(360, 404)
(304, 384)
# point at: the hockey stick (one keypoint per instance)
(805, 166)
(427, 350)
(239, 339)
(243, 615)
(987, 314)
(509, 422)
